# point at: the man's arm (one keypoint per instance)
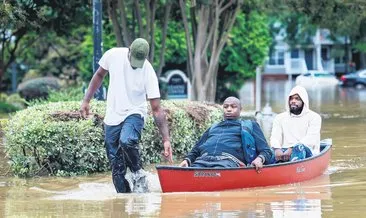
(94, 84)
(160, 121)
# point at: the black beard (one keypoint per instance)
(297, 110)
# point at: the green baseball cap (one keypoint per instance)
(139, 50)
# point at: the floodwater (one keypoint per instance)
(340, 192)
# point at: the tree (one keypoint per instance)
(15, 21)
(207, 25)
(248, 46)
(23, 23)
(84, 62)
(132, 19)
(172, 54)
(207, 28)
(342, 18)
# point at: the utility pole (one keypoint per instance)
(346, 58)
(14, 73)
(97, 39)
(258, 89)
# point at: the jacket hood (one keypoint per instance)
(301, 91)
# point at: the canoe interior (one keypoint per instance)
(190, 179)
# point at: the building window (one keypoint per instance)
(339, 60)
(295, 53)
(324, 54)
(277, 57)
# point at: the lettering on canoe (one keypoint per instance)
(300, 169)
(206, 174)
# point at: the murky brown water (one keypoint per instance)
(340, 192)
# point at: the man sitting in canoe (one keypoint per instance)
(296, 132)
(230, 143)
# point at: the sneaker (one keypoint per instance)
(140, 183)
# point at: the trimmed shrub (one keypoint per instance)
(38, 142)
(51, 139)
(38, 88)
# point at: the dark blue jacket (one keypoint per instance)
(226, 137)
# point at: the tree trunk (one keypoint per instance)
(211, 92)
(200, 62)
(113, 16)
(190, 65)
(11, 51)
(215, 21)
(168, 6)
(139, 19)
(151, 32)
(141, 25)
(125, 32)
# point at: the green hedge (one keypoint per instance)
(51, 139)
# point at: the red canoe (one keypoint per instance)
(194, 179)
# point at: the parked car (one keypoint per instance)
(356, 79)
(317, 78)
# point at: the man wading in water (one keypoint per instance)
(132, 81)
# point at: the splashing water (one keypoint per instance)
(99, 191)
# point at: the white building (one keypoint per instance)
(287, 61)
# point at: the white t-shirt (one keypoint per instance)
(128, 88)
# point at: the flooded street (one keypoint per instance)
(340, 192)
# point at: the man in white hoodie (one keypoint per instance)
(296, 132)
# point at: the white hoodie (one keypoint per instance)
(289, 129)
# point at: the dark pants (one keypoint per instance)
(122, 149)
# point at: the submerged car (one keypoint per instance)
(315, 78)
(356, 79)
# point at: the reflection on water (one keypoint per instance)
(340, 192)
(292, 199)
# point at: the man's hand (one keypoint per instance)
(287, 154)
(85, 109)
(184, 163)
(95, 83)
(168, 153)
(258, 164)
(160, 121)
(278, 154)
